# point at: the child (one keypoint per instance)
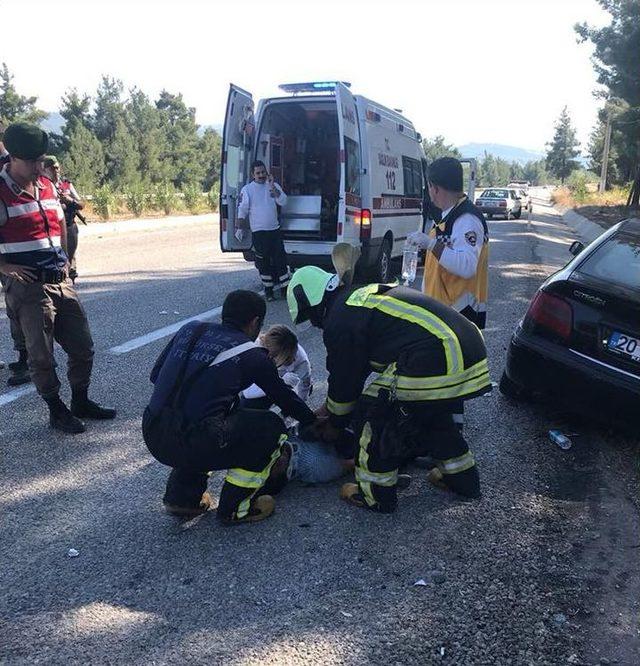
(292, 362)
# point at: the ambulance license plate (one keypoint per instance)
(625, 344)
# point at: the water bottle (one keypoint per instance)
(560, 439)
(409, 265)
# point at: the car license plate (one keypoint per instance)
(625, 344)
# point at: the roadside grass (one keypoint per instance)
(605, 209)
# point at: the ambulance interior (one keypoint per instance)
(298, 142)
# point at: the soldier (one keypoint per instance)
(37, 289)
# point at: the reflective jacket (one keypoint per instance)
(422, 350)
(30, 226)
(466, 295)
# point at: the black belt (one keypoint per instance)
(51, 275)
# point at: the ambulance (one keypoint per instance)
(352, 169)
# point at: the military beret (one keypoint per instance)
(446, 172)
(25, 141)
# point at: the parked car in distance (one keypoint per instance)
(578, 345)
(500, 201)
(525, 198)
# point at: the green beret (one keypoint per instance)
(25, 141)
(51, 161)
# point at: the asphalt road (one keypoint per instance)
(543, 570)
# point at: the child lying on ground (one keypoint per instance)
(292, 363)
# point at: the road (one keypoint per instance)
(543, 570)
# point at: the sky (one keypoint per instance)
(481, 71)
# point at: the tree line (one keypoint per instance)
(490, 170)
(122, 141)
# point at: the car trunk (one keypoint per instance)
(298, 141)
(600, 310)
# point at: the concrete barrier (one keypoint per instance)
(580, 225)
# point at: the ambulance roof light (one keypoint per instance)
(312, 86)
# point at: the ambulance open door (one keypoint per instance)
(350, 203)
(469, 176)
(238, 139)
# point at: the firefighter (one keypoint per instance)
(193, 423)
(426, 356)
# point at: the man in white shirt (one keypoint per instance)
(456, 270)
(258, 201)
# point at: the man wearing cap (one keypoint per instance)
(456, 267)
(71, 204)
(456, 270)
(34, 261)
(19, 369)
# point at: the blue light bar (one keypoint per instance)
(312, 86)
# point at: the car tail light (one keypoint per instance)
(502, 204)
(365, 223)
(551, 313)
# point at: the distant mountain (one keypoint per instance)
(54, 122)
(508, 153)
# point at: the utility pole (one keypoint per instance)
(605, 156)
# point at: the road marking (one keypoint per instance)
(161, 332)
(10, 396)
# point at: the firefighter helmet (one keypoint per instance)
(306, 290)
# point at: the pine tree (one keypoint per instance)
(211, 153)
(122, 158)
(437, 147)
(13, 106)
(145, 123)
(563, 149)
(182, 145)
(84, 159)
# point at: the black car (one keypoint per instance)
(579, 342)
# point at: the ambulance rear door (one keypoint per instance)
(238, 138)
(350, 202)
(469, 174)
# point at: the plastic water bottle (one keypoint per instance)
(560, 439)
(409, 265)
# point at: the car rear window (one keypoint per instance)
(617, 260)
(495, 194)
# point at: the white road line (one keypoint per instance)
(10, 396)
(161, 332)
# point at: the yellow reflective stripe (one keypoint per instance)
(245, 505)
(457, 465)
(379, 478)
(441, 381)
(363, 460)
(340, 408)
(449, 392)
(359, 297)
(244, 478)
(417, 315)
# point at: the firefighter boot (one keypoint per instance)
(261, 507)
(206, 503)
(60, 418)
(82, 407)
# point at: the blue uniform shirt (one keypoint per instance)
(216, 388)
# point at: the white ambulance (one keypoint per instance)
(352, 170)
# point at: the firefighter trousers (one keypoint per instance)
(246, 444)
(271, 258)
(389, 432)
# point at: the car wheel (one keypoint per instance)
(512, 390)
(518, 215)
(508, 215)
(489, 216)
(382, 269)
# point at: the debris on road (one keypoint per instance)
(72, 552)
(420, 583)
(560, 439)
(346, 614)
(163, 312)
